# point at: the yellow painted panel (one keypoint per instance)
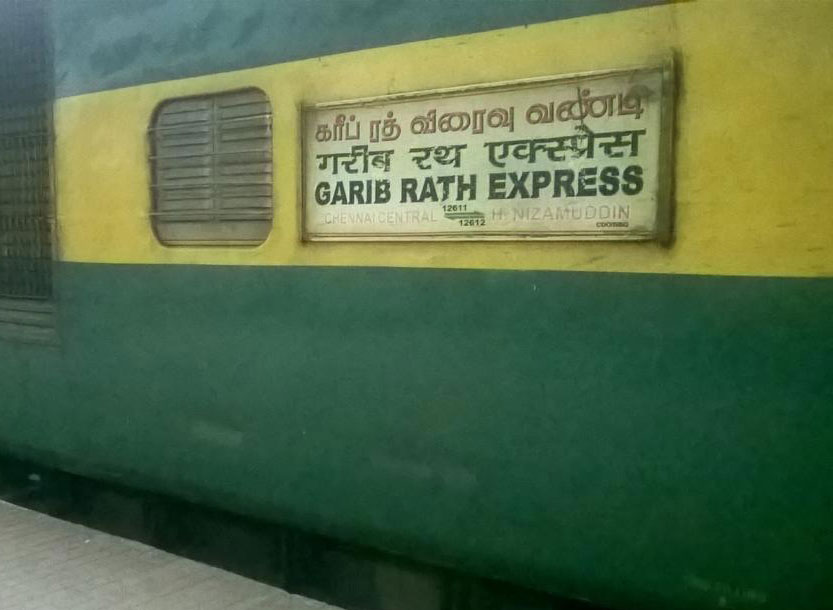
(754, 153)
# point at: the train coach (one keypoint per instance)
(540, 290)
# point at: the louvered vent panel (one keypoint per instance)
(212, 169)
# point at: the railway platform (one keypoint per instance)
(50, 564)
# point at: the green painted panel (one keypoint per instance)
(638, 440)
(105, 44)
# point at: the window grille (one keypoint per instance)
(211, 169)
(25, 152)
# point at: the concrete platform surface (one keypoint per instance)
(49, 564)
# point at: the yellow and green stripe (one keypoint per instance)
(752, 179)
(637, 425)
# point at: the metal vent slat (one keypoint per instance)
(211, 159)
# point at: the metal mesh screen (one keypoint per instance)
(26, 93)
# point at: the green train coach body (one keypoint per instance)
(635, 434)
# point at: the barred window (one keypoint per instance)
(25, 202)
(26, 193)
(211, 168)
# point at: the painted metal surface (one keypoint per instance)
(104, 44)
(741, 206)
(649, 439)
(631, 439)
(570, 157)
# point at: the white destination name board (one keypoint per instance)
(577, 157)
